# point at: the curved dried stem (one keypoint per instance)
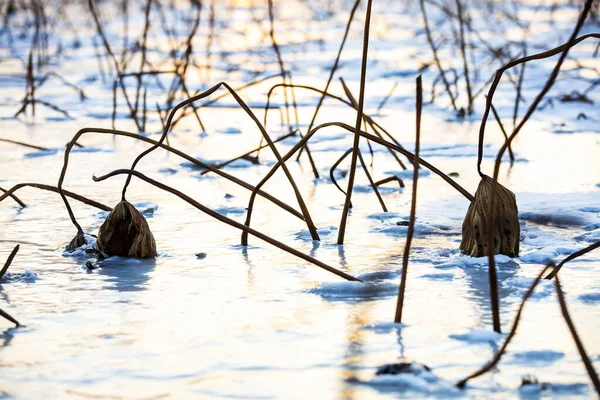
(513, 330)
(228, 221)
(334, 167)
(360, 157)
(55, 189)
(185, 113)
(14, 197)
(310, 225)
(366, 135)
(168, 148)
(463, 51)
(572, 257)
(374, 125)
(539, 56)
(564, 49)
(390, 179)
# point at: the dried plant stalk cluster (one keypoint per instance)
(505, 221)
(126, 233)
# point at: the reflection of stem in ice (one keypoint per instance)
(563, 307)
(488, 367)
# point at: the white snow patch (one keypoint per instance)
(90, 243)
(478, 336)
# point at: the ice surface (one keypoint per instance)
(255, 322)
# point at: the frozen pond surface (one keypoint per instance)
(255, 322)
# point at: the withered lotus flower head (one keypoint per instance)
(505, 227)
(126, 233)
(77, 242)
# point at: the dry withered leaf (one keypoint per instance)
(506, 229)
(126, 233)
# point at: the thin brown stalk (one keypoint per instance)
(365, 168)
(435, 55)
(360, 157)
(31, 81)
(65, 82)
(334, 167)
(413, 207)
(132, 110)
(387, 97)
(390, 179)
(501, 125)
(519, 97)
(209, 40)
(359, 119)
(8, 317)
(463, 51)
(279, 60)
(186, 112)
(334, 68)
(9, 261)
(228, 221)
(55, 108)
(498, 76)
